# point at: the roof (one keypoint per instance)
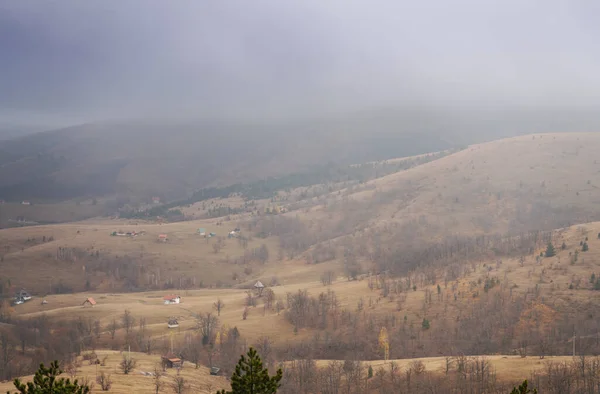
(170, 297)
(90, 300)
(162, 235)
(171, 357)
(259, 284)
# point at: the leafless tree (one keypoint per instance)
(219, 305)
(127, 364)
(264, 347)
(157, 375)
(250, 299)
(113, 326)
(327, 278)
(207, 325)
(72, 368)
(269, 297)
(127, 321)
(105, 381)
(179, 385)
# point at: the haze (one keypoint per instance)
(73, 61)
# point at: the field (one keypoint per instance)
(507, 187)
(198, 380)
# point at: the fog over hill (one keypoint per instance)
(174, 158)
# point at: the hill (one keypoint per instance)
(168, 159)
(509, 186)
(140, 159)
(535, 182)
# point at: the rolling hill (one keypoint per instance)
(509, 186)
(429, 248)
(512, 185)
(143, 158)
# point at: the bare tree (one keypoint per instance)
(207, 324)
(179, 385)
(264, 347)
(269, 297)
(250, 299)
(73, 368)
(113, 326)
(219, 305)
(327, 278)
(128, 321)
(158, 374)
(127, 365)
(104, 380)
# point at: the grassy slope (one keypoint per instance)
(553, 275)
(517, 184)
(176, 158)
(199, 380)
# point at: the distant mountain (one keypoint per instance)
(142, 158)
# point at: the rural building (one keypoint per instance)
(202, 231)
(22, 295)
(170, 360)
(156, 200)
(163, 237)
(171, 299)
(259, 287)
(172, 323)
(89, 302)
(25, 203)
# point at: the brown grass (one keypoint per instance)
(200, 380)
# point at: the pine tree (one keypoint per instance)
(426, 325)
(251, 378)
(45, 382)
(523, 389)
(550, 252)
(585, 247)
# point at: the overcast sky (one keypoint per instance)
(116, 58)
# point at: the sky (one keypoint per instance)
(73, 60)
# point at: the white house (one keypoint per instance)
(171, 299)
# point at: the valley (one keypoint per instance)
(449, 255)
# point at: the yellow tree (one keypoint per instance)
(384, 343)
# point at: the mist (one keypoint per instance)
(82, 61)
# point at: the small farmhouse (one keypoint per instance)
(25, 203)
(172, 299)
(170, 360)
(22, 295)
(163, 237)
(89, 302)
(259, 287)
(156, 200)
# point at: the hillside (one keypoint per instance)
(508, 186)
(170, 159)
(143, 158)
(512, 185)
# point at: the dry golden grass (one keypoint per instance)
(513, 184)
(480, 190)
(199, 380)
(507, 368)
(186, 254)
